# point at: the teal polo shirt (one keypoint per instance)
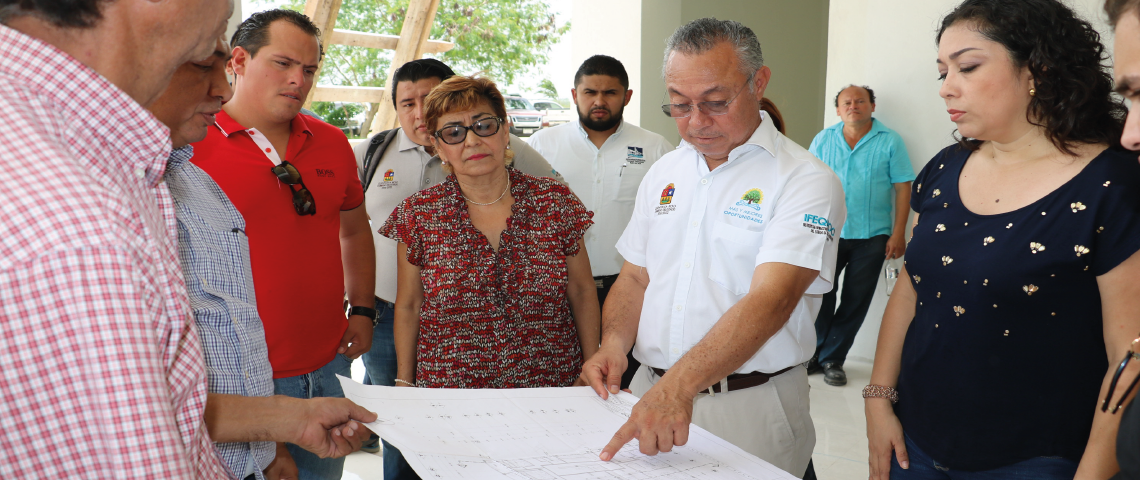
(867, 173)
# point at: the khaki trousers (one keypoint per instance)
(771, 421)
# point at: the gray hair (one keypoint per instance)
(701, 35)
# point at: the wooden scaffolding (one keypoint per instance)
(412, 44)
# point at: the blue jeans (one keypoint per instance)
(922, 467)
(380, 369)
(321, 382)
(835, 329)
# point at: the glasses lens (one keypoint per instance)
(676, 110)
(303, 202)
(713, 108)
(453, 135)
(287, 173)
(486, 127)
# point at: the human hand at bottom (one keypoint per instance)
(659, 421)
(884, 437)
(282, 467)
(331, 427)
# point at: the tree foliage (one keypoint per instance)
(546, 87)
(498, 38)
(337, 113)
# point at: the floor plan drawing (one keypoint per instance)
(537, 434)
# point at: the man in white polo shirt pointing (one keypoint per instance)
(731, 246)
(603, 159)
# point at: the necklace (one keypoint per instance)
(501, 195)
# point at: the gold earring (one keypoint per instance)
(1032, 92)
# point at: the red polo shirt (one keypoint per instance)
(297, 274)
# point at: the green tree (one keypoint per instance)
(753, 196)
(338, 113)
(496, 38)
(546, 87)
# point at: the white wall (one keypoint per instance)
(889, 46)
(610, 27)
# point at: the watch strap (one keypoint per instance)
(365, 311)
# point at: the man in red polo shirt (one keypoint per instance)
(294, 180)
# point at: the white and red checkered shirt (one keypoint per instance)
(101, 370)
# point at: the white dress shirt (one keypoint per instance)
(406, 168)
(606, 179)
(701, 235)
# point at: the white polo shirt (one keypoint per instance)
(701, 235)
(406, 168)
(606, 179)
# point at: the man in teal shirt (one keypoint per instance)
(871, 162)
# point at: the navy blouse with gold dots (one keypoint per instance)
(1004, 359)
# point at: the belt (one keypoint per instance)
(736, 381)
(390, 304)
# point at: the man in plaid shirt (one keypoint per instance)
(98, 349)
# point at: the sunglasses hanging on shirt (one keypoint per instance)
(303, 202)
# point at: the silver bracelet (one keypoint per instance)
(405, 382)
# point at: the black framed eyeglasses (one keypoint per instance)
(1132, 353)
(682, 110)
(303, 202)
(456, 134)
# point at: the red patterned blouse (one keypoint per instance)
(494, 319)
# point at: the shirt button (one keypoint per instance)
(234, 319)
(679, 308)
(704, 181)
(687, 264)
(140, 173)
(696, 223)
(676, 351)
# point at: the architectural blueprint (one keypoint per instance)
(537, 434)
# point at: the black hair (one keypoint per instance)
(61, 13)
(864, 87)
(602, 65)
(1117, 8)
(417, 70)
(1073, 88)
(253, 33)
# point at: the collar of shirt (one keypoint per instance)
(877, 127)
(406, 142)
(179, 157)
(586, 136)
(119, 120)
(765, 136)
(229, 126)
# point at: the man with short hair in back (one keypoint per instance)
(871, 161)
(393, 165)
(293, 179)
(102, 372)
(603, 158)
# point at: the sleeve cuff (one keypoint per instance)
(818, 286)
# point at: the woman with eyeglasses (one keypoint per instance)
(1020, 280)
(494, 284)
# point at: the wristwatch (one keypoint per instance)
(365, 311)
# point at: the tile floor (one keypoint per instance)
(840, 429)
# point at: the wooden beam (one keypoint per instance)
(323, 13)
(384, 42)
(413, 34)
(348, 94)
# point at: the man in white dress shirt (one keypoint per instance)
(603, 159)
(731, 246)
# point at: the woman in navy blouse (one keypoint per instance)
(1021, 274)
